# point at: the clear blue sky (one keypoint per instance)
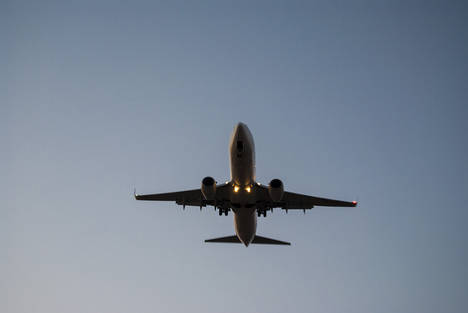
(345, 100)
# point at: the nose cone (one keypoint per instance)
(240, 130)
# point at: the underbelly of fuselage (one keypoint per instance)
(243, 204)
(245, 224)
(243, 196)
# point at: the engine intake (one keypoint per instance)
(208, 188)
(276, 190)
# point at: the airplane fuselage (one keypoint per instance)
(242, 159)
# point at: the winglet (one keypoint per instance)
(134, 193)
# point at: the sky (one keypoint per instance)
(345, 99)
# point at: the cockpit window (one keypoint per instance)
(240, 146)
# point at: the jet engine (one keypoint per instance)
(208, 188)
(276, 190)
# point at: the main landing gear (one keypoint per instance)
(221, 211)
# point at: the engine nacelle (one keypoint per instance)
(276, 190)
(208, 188)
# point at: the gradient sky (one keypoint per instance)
(344, 100)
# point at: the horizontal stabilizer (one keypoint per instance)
(228, 239)
(269, 241)
(256, 240)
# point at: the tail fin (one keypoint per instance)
(256, 240)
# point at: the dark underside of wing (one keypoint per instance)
(298, 200)
(189, 197)
(192, 197)
(291, 201)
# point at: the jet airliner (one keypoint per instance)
(246, 198)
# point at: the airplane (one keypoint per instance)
(243, 195)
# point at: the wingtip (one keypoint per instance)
(354, 203)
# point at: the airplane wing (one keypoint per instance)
(192, 197)
(296, 201)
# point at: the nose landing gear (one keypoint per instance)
(261, 212)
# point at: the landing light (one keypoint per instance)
(236, 188)
(247, 188)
